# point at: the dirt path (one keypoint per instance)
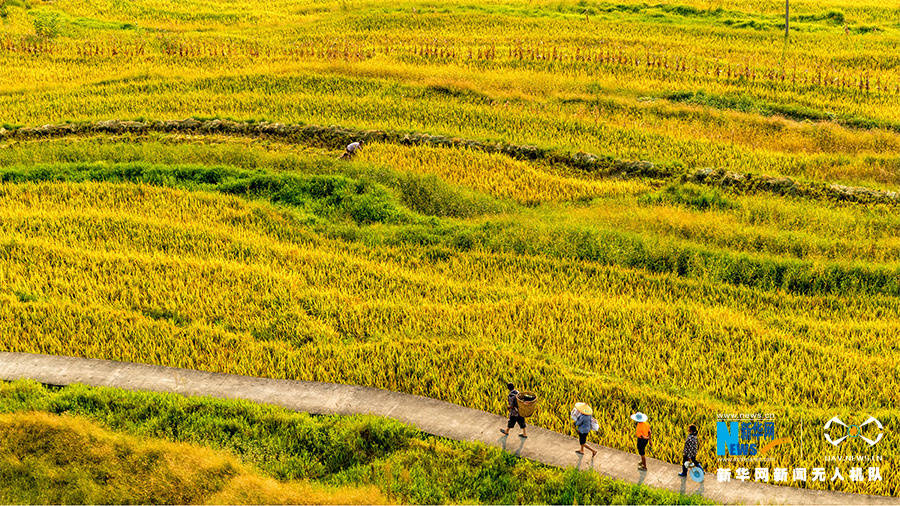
(431, 416)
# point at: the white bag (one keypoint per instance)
(595, 426)
(574, 414)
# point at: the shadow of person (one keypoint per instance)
(518, 451)
(683, 485)
(579, 461)
(502, 441)
(642, 475)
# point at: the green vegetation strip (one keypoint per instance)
(744, 102)
(336, 206)
(336, 137)
(405, 464)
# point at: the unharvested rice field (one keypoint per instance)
(444, 270)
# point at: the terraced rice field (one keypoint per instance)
(443, 270)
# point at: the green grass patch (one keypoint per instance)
(320, 196)
(690, 196)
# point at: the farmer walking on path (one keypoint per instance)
(642, 432)
(352, 148)
(582, 415)
(691, 445)
(514, 416)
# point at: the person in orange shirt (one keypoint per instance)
(643, 433)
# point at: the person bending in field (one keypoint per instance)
(642, 432)
(691, 445)
(514, 417)
(352, 149)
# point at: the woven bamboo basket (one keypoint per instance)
(527, 403)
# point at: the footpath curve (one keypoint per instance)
(429, 415)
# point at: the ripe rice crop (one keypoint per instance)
(444, 271)
(628, 80)
(213, 282)
(496, 174)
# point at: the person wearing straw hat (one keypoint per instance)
(514, 416)
(642, 431)
(583, 417)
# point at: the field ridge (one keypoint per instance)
(336, 137)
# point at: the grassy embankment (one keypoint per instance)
(101, 445)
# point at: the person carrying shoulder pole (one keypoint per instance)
(514, 417)
(643, 434)
(691, 445)
(583, 417)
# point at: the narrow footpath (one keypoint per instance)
(429, 415)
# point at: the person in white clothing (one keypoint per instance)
(352, 148)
